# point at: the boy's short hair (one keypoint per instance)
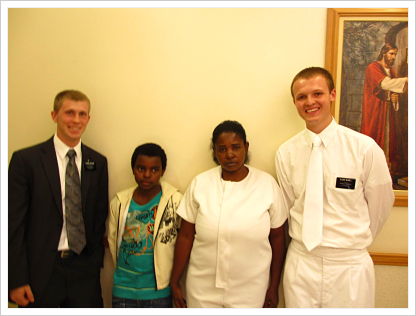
(312, 72)
(74, 95)
(150, 150)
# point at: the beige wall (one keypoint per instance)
(168, 76)
(163, 75)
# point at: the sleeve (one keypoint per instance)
(19, 199)
(188, 208)
(102, 203)
(278, 209)
(113, 227)
(394, 84)
(176, 199)
(378, 189)
(282, 178)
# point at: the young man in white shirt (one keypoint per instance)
(355, 200)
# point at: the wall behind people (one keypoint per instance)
(163, 75)
(168, 75)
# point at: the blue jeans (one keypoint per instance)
(163, 302)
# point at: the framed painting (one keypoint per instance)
(367, 51)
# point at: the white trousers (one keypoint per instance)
(328, 278)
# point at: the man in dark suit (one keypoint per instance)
(46, 267)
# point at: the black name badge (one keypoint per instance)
(345, 183)
(89, 165)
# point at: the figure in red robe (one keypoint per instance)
(381, 101)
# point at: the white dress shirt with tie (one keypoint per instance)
(358, 193)
(357, 201)
(61, 150)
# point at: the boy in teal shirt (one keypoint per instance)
(142, 228)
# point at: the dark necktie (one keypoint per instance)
(73, 210)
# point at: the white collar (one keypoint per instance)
(326, 135)
(61, 148)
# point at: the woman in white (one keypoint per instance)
(232, 231)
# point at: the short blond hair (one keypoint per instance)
(74, 95)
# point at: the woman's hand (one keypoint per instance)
(183, 249)
(272, 299)
(177, 295)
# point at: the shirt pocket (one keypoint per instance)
(342, 194)
(298, 181)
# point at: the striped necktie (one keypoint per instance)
(73, 208)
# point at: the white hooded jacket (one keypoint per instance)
(166, 228)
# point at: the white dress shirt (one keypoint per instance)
(358, 193)
(61, 150)
(231, 253)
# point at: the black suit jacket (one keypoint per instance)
(36, 216)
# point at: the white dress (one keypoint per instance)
(230, 259)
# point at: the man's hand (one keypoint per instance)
(22, 296)
(394, 98)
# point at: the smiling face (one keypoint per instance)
(71, 119)
(230, 152)
(147, 172)
(312, 99)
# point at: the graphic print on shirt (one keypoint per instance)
(138, 234)
(167, 231)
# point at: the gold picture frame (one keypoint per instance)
(336, 17)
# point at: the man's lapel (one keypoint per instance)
(85, 176)
(50, 165)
